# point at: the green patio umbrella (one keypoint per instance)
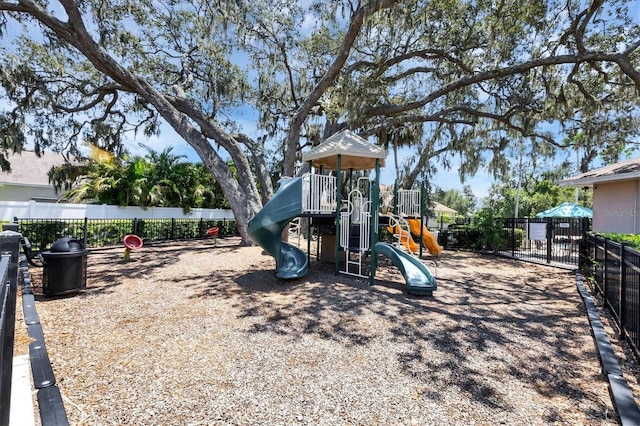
(567, 210)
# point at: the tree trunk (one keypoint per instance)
(244, 201)
(241, 191)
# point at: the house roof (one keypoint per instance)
(30, 170)
(441, 208)
(624, 170)
(355, 153)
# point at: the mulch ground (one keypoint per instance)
(191, 333)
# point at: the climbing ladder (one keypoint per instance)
(355, 229)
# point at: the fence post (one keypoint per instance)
(549, 238)
(605, 249)
(596, 239)
(583, 253)
(173, 229)
(594, 249)
(623, 286)
(513, 237)
(84, 237)
(9, 253)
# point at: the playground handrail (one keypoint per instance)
(399, 224)
(408, 202)
(319, 193)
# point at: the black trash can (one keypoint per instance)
(65, 267)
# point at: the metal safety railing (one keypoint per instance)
(615, 272)
(105, 232)
(408, 203)
(556, 241)
(319, 193)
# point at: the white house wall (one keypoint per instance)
(35, 210)
(9, 192)
(616, 207)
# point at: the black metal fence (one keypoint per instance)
(14, 270)
(615, 272)
(556, 241)
(9, 250)
(7, 324)
(105, 232)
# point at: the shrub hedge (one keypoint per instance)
(106, 232)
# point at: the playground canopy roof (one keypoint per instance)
(567, 210)
(356, 153)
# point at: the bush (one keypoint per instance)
(42, 234)
(104, 233)
(508, 242)
(486, 232)
(491, 235)
(463, 236)
(632, 239)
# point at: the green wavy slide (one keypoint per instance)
(419, 279)
(266, 229)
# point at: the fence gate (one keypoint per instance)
(552, 240)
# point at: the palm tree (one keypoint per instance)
(160, 179)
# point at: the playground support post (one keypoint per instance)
(374, 229)
(338, 204)
(395, 198)
(309, 228)
(421, 218)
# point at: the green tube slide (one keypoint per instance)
(266, 229)
(419, 279)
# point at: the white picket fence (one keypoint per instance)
(36, 210)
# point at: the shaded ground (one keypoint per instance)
(190, 333)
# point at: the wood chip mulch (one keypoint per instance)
(196, 334)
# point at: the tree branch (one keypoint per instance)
(328, 79)
(496, 74)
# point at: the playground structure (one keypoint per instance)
(213, 233)
(131, 242)
(351, 224)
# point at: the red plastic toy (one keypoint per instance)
(131, 242)
(213, 233)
